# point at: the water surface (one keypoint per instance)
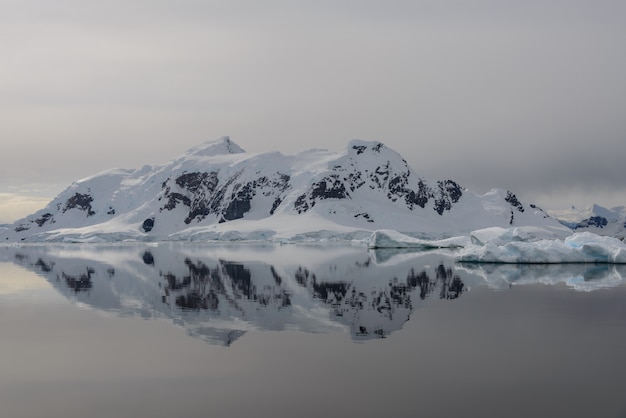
(181, 330)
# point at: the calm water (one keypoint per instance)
(181, 330)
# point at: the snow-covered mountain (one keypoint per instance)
(596, 219)
(218, 191)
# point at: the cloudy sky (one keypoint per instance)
(525, 95)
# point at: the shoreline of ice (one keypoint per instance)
(495, 245)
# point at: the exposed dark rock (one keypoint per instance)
(275, 205)
(594, 221)
(44, 218)
(301, 205)
(452, 189)
(80, 201)
(330, 187)
(111, 211)
(22, 227)
(360, 149)
(195, 182)
(148, 224)
(512, 199)
(174, 199)
(364, 215)
(443, 201)
(239, 203)
(419, 198)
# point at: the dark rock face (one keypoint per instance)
(347, 179)
(594, 221)
(41, 221)
(366, 170)
(512, 199)
(205, 194)
(44, 218)
(329, 187)
(22, 228)
(80, 201)
(449, 192)
(360, 149)
(148, 224)
(240, 203)
(365, 216)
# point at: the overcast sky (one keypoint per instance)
(525, 95)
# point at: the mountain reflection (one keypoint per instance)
(218, 294)
(219, 297)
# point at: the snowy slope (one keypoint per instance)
(216, 191)
(596, 219)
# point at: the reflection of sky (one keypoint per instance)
(16, 280)
(531, 350)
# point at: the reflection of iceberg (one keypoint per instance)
(584, 277)
(219, 293)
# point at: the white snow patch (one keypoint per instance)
(395, 239)
(583, 247)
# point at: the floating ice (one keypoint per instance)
(583, 247)
(394, 239)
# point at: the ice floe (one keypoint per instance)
(394, 239)
(581, 247)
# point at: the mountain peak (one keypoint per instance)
(210, 193)
(222, 146)
(361, 146)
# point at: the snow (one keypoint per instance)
(122, 199)
(395, 239)
(583, 247)
(514, 245)
(497, 235)
(596, 219)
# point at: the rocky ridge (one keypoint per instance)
(218, 191)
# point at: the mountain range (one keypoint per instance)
(596, 219)
(217, 191)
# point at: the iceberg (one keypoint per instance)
(583, 247)
(386, 238)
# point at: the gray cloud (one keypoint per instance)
(524, 95)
